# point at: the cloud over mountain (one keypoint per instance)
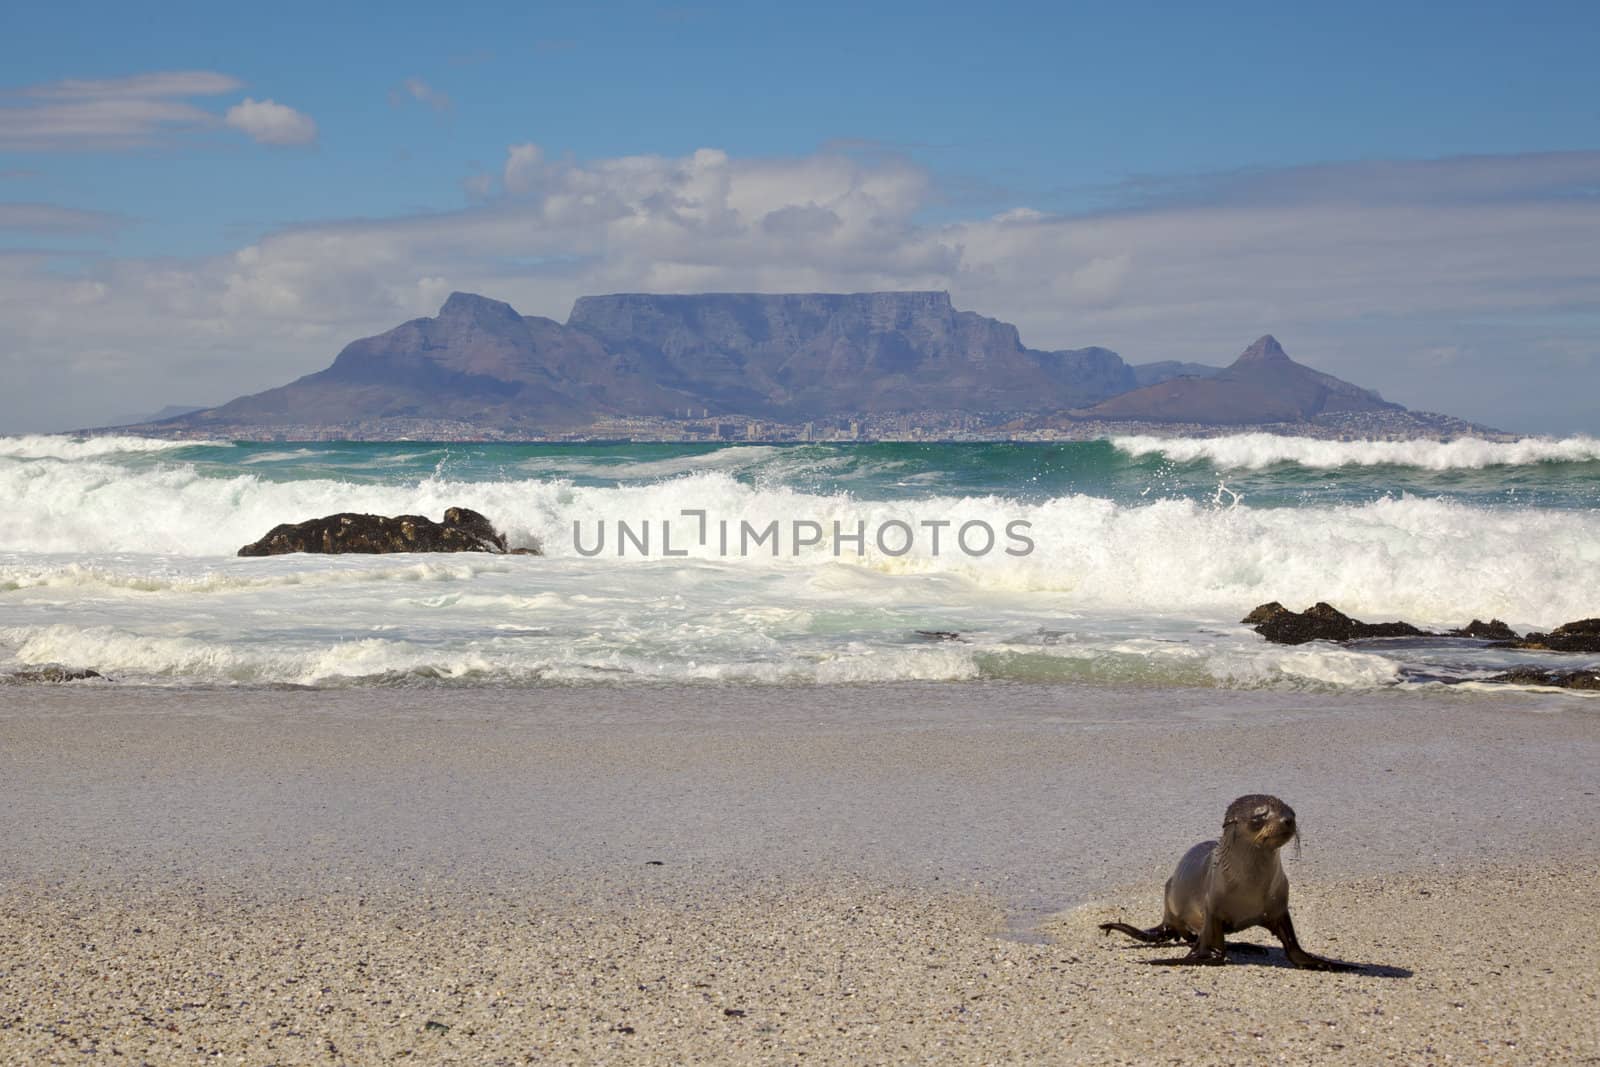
(1176, 270)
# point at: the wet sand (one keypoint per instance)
(885, 874)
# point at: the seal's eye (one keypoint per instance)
(1257, 821)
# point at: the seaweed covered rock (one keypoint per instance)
(463, 530)
(1263, 612)
(1556, 679)
(51, 674)
(1580, 636)
(1322, 622)
(1493, 630)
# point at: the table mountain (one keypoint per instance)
(816, 354)
(480, 366)
(789, 357)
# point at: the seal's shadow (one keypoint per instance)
(1254, 955)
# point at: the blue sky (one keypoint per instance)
(1146, 177)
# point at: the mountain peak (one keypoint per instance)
(1265, 350)
(471, 306)
(1262, 386)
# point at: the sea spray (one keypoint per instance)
(1433, 561)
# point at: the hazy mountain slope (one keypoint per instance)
(785, 356)
(1263, 385)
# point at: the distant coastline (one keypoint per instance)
(770, 368)
(931, 427)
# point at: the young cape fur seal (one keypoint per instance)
(1221, 887)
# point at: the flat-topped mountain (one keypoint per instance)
(818, 354)
(1262, 386)
(789, 356)
(479, 366)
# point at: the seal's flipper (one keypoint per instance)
(1196, 958)
(1284, 929)
(1306, 961)
(1156, 935)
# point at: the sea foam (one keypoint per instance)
(142, 657)
(1254, 451)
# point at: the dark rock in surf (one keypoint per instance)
(50, 675)
(463, 530)
(1556, 679)
(1260, 614)
(1580, 636)
(1324, 622)
(1321, 622)
(1493, 630)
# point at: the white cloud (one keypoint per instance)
(523, 163)
(1365, 276)
(110, 113)
(270, 122)
(114, 114)
(157, 84)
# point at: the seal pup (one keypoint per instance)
(1221, 887)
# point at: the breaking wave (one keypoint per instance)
(1429, 560)
(1254, 451)
(61, 446)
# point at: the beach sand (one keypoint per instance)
(887, 874)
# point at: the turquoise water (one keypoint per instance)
(906, 471)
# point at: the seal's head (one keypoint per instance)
(1260, 820)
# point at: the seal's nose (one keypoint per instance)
(1288, 819)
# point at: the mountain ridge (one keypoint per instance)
(799, 355)
(634, 360)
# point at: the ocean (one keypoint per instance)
(1124, 562)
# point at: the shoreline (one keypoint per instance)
(884, 873)
(1042, 793)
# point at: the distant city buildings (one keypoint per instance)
(897, 426)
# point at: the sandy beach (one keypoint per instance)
(879, 874)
